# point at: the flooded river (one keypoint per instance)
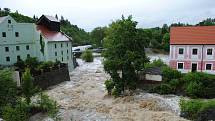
(84, 98)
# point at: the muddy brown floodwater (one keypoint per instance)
(84, 98)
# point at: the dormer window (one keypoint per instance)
(9, 21)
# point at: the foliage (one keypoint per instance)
(87, 56)
(79, 36)
(20, 112)
(155, 63)
(109, 84)
(125, 54)
(97, 35)
(46, 66)
(8, 88)
(165, 42)
(169, 74)
(199, 84)
(163, 89)
(42, 45)
(28, 88)
(194, 106)
(48, 105)
(18, 17)
(194, 89)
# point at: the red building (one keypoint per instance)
(192, 49)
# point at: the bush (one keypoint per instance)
(8, 89)
(155, 63)
(87, 56)
(195, 89)
(193, 107)
(47, 66)
(199, 85)
(17, 113)
(109, 86)
(169, 74)
(48, 105)
(163, 89)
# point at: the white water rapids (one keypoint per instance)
(84, 98)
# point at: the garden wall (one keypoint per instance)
(51, 78)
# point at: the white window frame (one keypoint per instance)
(211, 66)
(177, 65)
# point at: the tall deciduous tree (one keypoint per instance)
(166, 40)
(125, 54)
(97, 35)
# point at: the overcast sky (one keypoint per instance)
(89, 14)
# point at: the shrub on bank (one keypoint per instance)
(109, 84)
(87, 56)
(193, 108)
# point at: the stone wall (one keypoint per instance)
(51, 78)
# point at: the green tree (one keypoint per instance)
(97, 35)
(28, 88)
(166, 40)
(7, 88)
(125, 54)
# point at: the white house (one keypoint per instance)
(43, 40)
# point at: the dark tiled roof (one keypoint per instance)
(192, 35)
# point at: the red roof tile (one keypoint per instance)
(192, 35)
(52, 35)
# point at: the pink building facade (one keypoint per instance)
(192, 49)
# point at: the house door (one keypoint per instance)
(194, 67)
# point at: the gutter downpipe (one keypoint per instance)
(202, 58)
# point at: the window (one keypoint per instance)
(181, 51)
(17, 48)
(9, 21)
(6, 49)
(195, 51)
(61, 52)
(3, 34)
(55, 53)
(28, 56)
(55, 45)
(67, 51)
(208, 66)
(61, 45)
(27, 47)
(17, 34)
(67, 57)
(67, 44)
(18, 58)
(209, 51)
(62, 58)
(7, 59)
(180, 65)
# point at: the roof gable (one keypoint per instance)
(4, 18)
